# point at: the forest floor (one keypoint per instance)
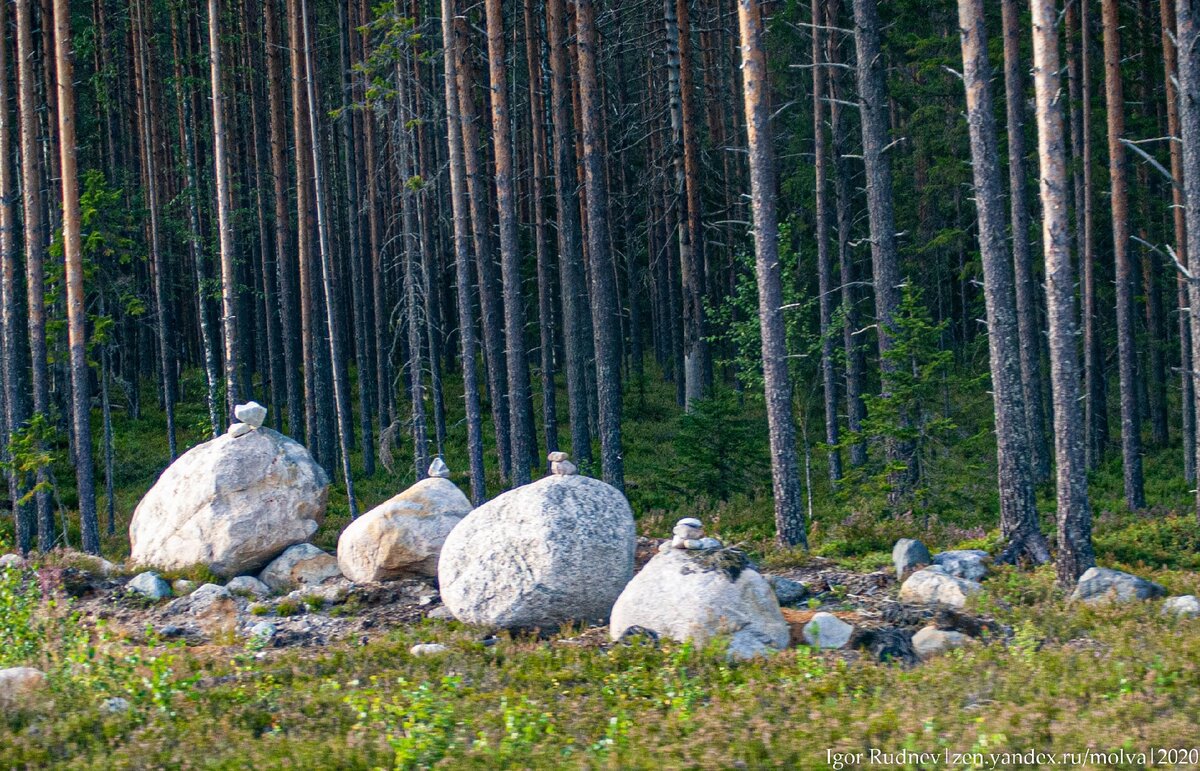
(337, 686)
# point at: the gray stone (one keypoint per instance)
(182, 586)
(18, 685)
(427, 649)
(442, 613)
(251, 413)
(685, 595)
(404, 535)
(970, 564)
(13, 561)
(438, 469)
(908, 555)
(239, 429)
(299, 565)
(933, 585)
(149, 584)
(1183, 606)
(115, 705)
(211, 609)
(930, 641)
(826, 630)
(263, 631)
(231, 505)
(248, 586)
(689, 529)
(787, 591)
(1104, 585)
(560, 549)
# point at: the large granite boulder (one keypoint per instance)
(231, 504)
(560, 549)
(698, 595)
(404, 535)
(1105, 585)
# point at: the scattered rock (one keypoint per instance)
(686, 595)
(251, 413)
(560, 549)
(908, 555)
(17, 684)
(263, 631)
(930, 641)
(427, 649)
(934, 585)
(114, 705)
(182, 586)
(826, 630)
(787, 591)
(405, 534)
(230, 505)
(970, 564)
(149, 584)
(442, 613)
(1183, 606)
(13, 561)
(299, 565)
(248, 586)
(211, 609)
(887, 645)
(1100, 585)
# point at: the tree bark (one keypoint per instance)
(224, 216)
(1187, 38)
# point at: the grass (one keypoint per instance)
(1071, 678)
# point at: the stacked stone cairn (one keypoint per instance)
(689, 534)
(250, 416)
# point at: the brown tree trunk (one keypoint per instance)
(224, 216)
(1187, 38)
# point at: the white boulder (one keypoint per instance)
(299, 565)
(688, 595)
(934, 585)
(826, 630)
(1183, 606)
(404, 535)
(231, 504)
(560, 549)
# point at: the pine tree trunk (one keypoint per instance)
(73, 278)
(785, 469)
(1014, 460)
(1187, 38)
(1074, 513)
(224, 217)
(1131, 422)
(1096, 412)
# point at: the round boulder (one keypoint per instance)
(231, 504)
(404, 535)
(560, 549)
(689, 595)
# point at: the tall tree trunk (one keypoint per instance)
(1027, 314)
(785, 469)
(73, 278)
(1187, 38)
(523, 444)
(1131, 420)
(1014, 461)
(224, 217)
(460, 215)
(1074, 513)
(1096, 410)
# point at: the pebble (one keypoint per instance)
(439, 469)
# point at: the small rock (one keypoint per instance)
(787, 591)
(970, 564)
(149, 584)
(908, 555)
(263, 631)
(1184, 606)
(114, 705)
(557, 457)
(248, 586)
(17, 684)
(239, 429)
(11, 561)
(182, 586)
(442, 613)
(211, 608)
(251, 413)
(934, 585)
(1099, 585)
(302, 564)
(438, 469)
(931, 641)
(826, 630)
(427, 649)
(172, 630)
(563, 468)
(427, 599)
(689, 529)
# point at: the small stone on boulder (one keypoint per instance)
(299, 565)
(970, 564)
(251, 413)
(404, 535)
(908, 555)
(439, 469)
(1183, 606)
(149, 584)
(239, 429)
(826, 630)
(930, 641)
(1102, 585)
(248, 586)
(933, 585)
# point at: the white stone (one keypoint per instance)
(970, 564)
(1184, 606)
(251, 413)
(427, 649)
(557, 457)
(934, 585)
(231, 505)
(239, 429)
(826, 630)
(679, 596)
(17, 685)
(560, 549)
(930, 641)
(299, 565)
(1104, 585)
(688, 531)
(248, 585)
(149, 584)
(439, 469)
(908, 555)
(563, 468)
(404, 535)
